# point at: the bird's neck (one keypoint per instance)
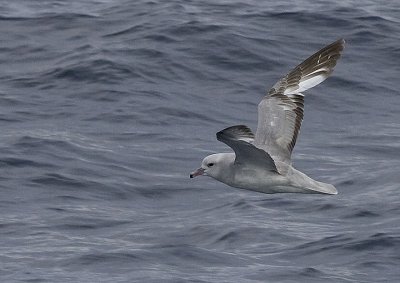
(226, 172)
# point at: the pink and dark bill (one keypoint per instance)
(198, 172)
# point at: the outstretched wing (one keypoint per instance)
(239, 138)
(280, 113)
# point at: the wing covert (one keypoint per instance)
(239, 138)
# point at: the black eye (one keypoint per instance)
(210, 164)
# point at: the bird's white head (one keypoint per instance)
(215, 165)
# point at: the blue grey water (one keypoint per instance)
(106, 106)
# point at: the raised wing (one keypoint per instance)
(280, 113)
(239, 138)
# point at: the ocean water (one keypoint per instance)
(106, 106)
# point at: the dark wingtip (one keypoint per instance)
(342, 42)
(191, 176)
(236, 132)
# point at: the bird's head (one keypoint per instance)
(214, 165)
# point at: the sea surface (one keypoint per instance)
(107, 106)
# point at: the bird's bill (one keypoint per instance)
(198, 172)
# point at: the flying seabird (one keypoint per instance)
(262, 162)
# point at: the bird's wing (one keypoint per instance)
(280, 112)
(239, 138)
